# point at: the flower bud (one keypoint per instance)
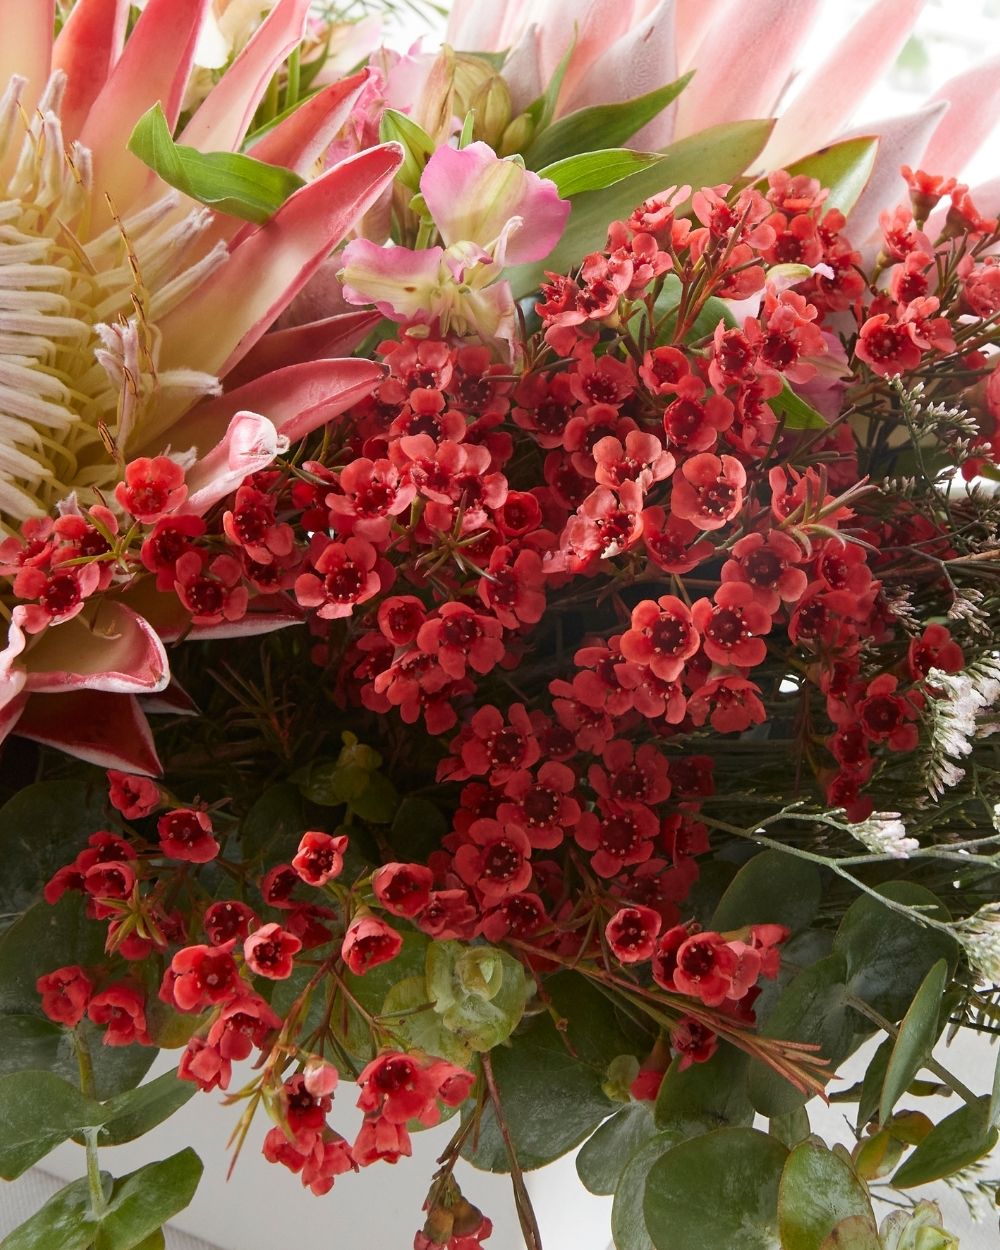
(491, 105)
(517, 136)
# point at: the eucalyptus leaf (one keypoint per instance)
(628, 1220)
(771, 888)
(228, 181)
(38, 1111)
(130, 1114)
(602, 126)
(142, 1202)
(603, 1156)
(705, 1096)
(720, 1189)
(960, 1139)
(818, 1190)
(917, 1034)
(65, 1222)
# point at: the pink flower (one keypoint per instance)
(320, 857)
(368, 942)
(269, 952)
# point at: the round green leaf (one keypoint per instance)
(705, 1096)
(717, 1190)
(771, 888)
(818, 1190)
(38, 1111)
(603, 1157)
(960, 1139)
(65, 1222)
(31, 1042)
(142, 1202)
(915, 1040)
(628, 1221)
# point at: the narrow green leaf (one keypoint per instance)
(38, 1111)
(142, 1202)
(797, 414)
(135, 1112)
(719, 154)
(416, 143)
(229, 181)
(542, 110)
(843, 167)
(993, 1115)
(960, 1139)
(917, 1034)
(603, 126)
(593, 171)
(818, 1190)
(720, 1189)
(468, 126)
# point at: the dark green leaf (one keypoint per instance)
(818, 1190)
(229, 181)
(960, 1139)
(31, 1042)
(603, 126)
(43, 827)
(593, 171)
(38, 1111)
(603, 1157)
(797, 414)
(706, 1095)
(142, 1202)
(871, 1086)
(135, 1112)
(270, 831)
(917, 1034)
(719, 154)
(888, 955)
(717, 1190)
(65, 1222)
(790, 1129)
(628, 1221)
(378, 801)
(417, 828)
(771, 888)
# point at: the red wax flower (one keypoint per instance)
(65, 994)
(369, 941)
(228, 921)
(133, 796)
(632, 932)
(270, 950)
(708, 491)
(497, 860)
(320, 857)
(152, 487)
(403, 889)
(122, 1009)
(187, 834)
(662, 636)
(730, 627)
(203, 976)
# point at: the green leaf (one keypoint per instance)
(550, 1081)
(479, 992)
(791, 1128)
(417, 145)
(917, 1034)
(818, 1190)
(705, 1096)
(43, 827)
(65, 1222)
(603, 126)
(142, 1202)
(888, 954)
(960, 1139)
(603, 1156)
(717, 1190)
(378, 802)
(593, 171)
(874, 1079)
(994, 1110)
(628, 1221)
(271, 830)
(38, 1111)
(31, 1042)
(417, 828)
(229, 181)
(797, 414)
(719, 154)
(422, 1030)
(136, 1111)
(844, 167)
(771, 888)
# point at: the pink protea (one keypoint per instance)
(146, 369)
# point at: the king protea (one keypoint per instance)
(130, 317)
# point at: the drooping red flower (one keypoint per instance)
(133, 796)
(65, 994)
(694, 1042)
(122, 1009)
(204, 1064)
(186, 834)
(270, 951)
(320, 857)
(368, 942)
(228, 920)
(403, 889)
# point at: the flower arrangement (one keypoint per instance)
(553, 532)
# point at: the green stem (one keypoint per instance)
(88, 1088)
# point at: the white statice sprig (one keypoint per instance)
(884, 834)
(979, 934)
(958, 701)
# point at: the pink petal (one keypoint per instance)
(522, 70)
(472, 194)
(12, 674)
(266, 616)
(154, 67)
(743, 63)
(477, 27)
(902, 141)
(602, 26)
(397, 280)
(26, 45)
(109, 730)
(974, 98)
(301, 139)
(86, 49)
(691, 22)
(107, 647)
(217, 325)
(249, 444)
(641, 61)
(316, 340)
(10, 714)
(224, 116)
(829, 94)
(296, 399)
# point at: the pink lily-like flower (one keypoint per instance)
(131, 310)
(489, 213)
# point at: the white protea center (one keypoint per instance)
(78, 341)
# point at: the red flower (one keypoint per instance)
(134, 797)
(123, 1009)
(59, 595)
(632, 933)
(202, 977)
(372, 493)
(497, 862)
(403, 889)
(251, 524)
(543, 805)
(152, 488)
(693, 423)
(107, 881)
(617, 838)
(368, 942)
(211, 592)
(458, 638)
(935, 648)
(171, 538)
(513, 588)
(345, 575)
(887, 717)
(228, 921)
(767, 563)
(497, 748)
(664, 370)
(518, 916)
(380, 1139)
(636, 776)
(731, 703)
(187, 834)
(705, 967)
(450, 914)
(269, 952)
(204, 1064)
(694, 1042)
(400, 617)
(662, 636)
(730, 625)
(708, 491)
(888, 347)
(243, 1024)
(669, 542)
(65, 994)
(320, 857)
